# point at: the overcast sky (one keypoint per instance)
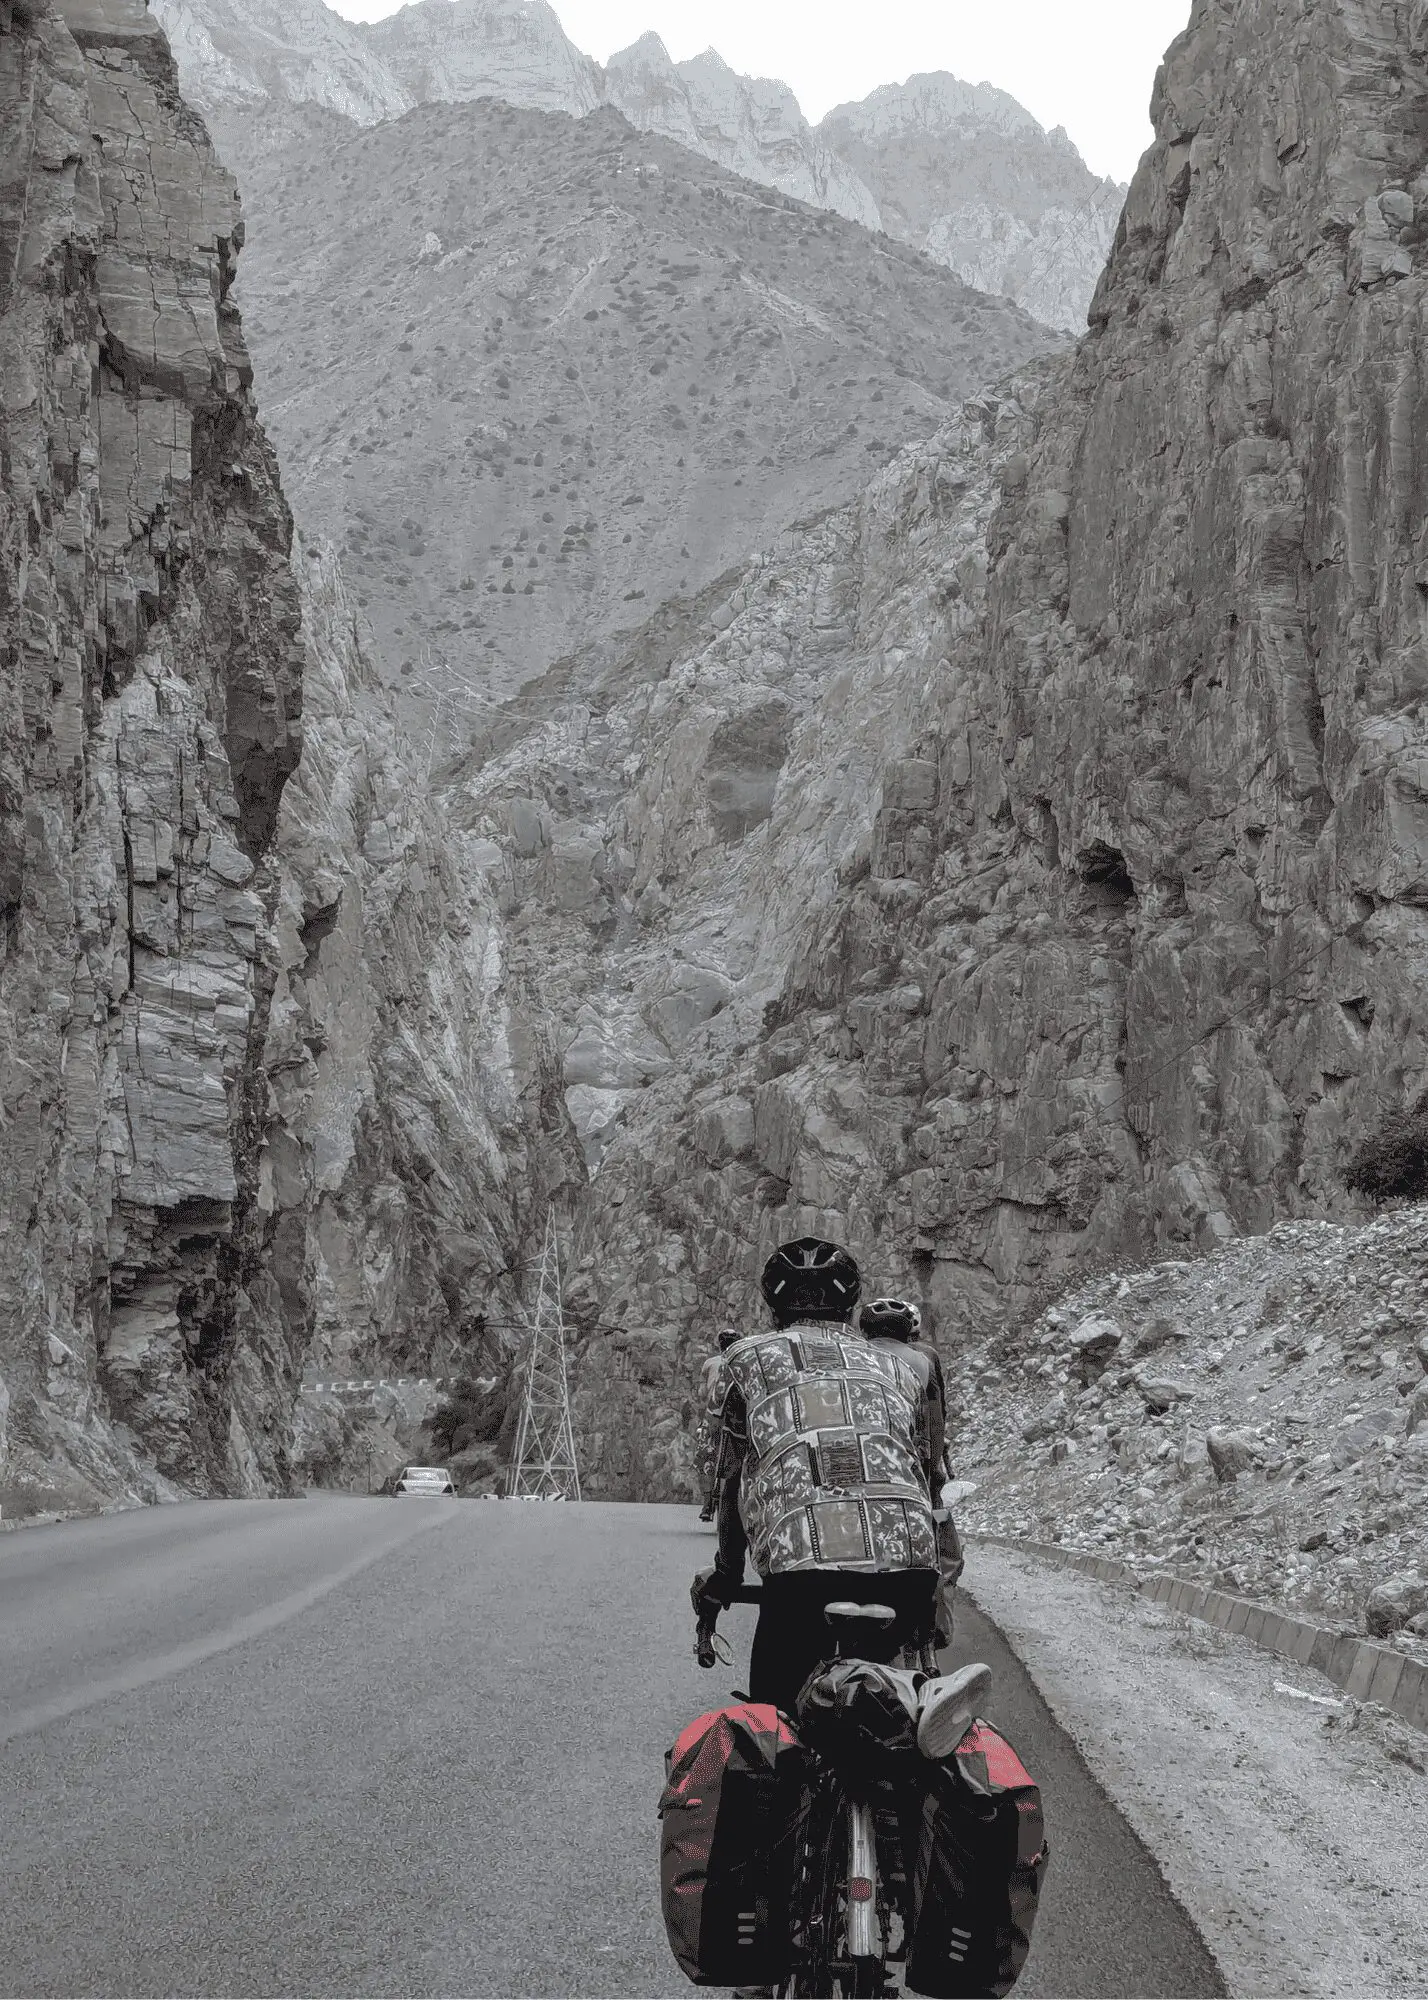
(1085, 64)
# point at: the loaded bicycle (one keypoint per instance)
(844, 1866)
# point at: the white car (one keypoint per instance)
(426, 1481)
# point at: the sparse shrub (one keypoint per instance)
(471, 1414)
(1392, 1164)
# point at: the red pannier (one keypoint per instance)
(976, 1872)
(728, 1845)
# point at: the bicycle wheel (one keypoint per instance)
(815, 1901)
(822, 1967)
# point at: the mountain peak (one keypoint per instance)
(453, 50)
(648, 52)
(933, 101)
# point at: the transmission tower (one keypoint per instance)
(543, 1464)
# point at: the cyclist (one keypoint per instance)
(711, 1390)
(901, 1321)
(827, 1474)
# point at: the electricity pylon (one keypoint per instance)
(543, 1464)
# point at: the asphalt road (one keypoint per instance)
(343, 1747)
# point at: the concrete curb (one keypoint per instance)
(1364, 1671)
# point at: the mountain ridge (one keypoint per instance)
(1035, 227)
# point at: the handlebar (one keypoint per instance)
(705, 1625)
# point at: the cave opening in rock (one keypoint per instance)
(1103, 867)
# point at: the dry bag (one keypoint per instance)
(728, 1842)
(980, 1852)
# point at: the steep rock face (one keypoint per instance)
(149, 718)
(965, 173)
(1133, 952)
(751, 125)
(672, 813)
(418, 1126)
(449, 51)
(237, 56)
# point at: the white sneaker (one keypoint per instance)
(948, 1707)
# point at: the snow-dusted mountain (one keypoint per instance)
(452, 51)
(960, 171)
(966, 173)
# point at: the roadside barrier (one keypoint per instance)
(329, 1387)
(1365, 1671)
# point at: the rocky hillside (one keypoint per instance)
(1023, 871)
(534, 375)
(965, 174)
(150, 716)
(961, 172)
(1257, 1419)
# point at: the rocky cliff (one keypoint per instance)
(453, 51)
(966, 174)
(1114, 946)
(152, 681)
(236, 57)
(751, 125)
(418, 1131)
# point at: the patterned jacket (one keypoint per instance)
(829, 1432)
(711, 1393)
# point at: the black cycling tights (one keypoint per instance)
(793, 1636)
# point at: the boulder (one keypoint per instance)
(1233, 1452)
(1093, 1344)
(1046, 1422)
(1418, 1409)
(1158, 1333)
(1392, 1604)
(1160, 1393)
(725, 1130)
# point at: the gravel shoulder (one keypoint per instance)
(1290, 1829)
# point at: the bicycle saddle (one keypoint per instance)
(881, 1615)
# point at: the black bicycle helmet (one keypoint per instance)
(811, 1278)
(890, 1319)
(727, 1338)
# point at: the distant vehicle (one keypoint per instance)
(427, 1481)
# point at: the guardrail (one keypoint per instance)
(1365, 1671)
(339, 1386)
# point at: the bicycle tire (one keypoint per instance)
(822, 1968)
(811, 1977)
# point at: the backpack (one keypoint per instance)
(729, 1818)
(975, 1871)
